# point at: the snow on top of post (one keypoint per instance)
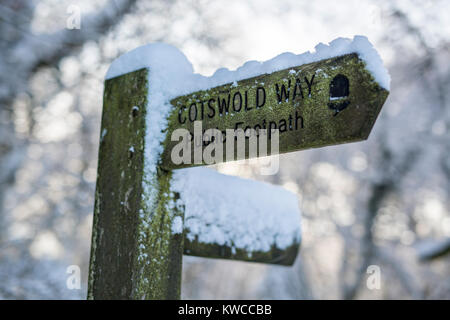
(233, 211)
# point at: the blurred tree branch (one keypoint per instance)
(29, 52)
(23, 53)
(394, 170)
(430, 250)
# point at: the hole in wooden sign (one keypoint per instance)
(339, 91)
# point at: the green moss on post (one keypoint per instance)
(130, 258)
(158, 268)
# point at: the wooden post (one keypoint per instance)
(134, 254)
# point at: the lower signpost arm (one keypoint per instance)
(229, 217)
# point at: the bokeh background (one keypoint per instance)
(382, 202)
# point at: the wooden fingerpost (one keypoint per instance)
(139, 233)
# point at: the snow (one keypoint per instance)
(337, 98)
(159, 54)
(177, 225)
(241, 213)
(104, 132)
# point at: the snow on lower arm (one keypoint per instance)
(238, 212)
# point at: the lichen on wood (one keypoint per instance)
(123, 264)
(285, 256)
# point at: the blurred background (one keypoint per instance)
(382, 202)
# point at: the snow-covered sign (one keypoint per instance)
(322, 103)
(147, 214)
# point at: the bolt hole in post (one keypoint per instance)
(135, 111)
(130, 153)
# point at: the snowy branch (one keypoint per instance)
(31, 52)
(65, 41)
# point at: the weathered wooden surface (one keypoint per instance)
(301, 101)
(285, 257)
(130, 258)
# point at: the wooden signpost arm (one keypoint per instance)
(234, 218)
(323, 103)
